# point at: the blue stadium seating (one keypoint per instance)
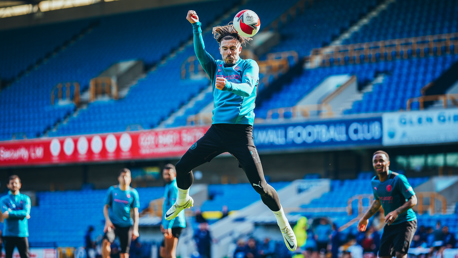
(119, 37)
(404, 80)
(21, 48)
(410, 18)
(63, 217)
(236, 196)
(320, 24)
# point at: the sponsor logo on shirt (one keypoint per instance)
(121, 201)
(232, 77)
(386, 199)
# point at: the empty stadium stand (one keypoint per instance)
(423, 18)
(116, 38)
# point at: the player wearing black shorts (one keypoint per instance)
(234, 81)
(15, 209)
(170, 228)
(120, 200)
(393, 192)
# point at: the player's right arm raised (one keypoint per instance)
(205, 59)
(362, 225)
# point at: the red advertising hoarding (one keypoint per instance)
(151, 144)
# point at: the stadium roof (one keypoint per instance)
(10, 3)
(10, 8)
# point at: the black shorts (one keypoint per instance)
(322, 246)
(123, 233)
(21, 243)
(176, 232)
(237, 139)
(397, 238)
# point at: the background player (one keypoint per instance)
(393, 192)
(171, 228)
(120, 200)
(15, 212)
(235, 81)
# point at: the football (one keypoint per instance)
(247, 23)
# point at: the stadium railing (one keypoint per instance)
(387, 49)
(66, 86)
(431, 207)
(324, 110)
(432, 98)
(199, 119)
(360, 198)
(422, 206)
(103, 86)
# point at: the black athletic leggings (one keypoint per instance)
(21, 243)
(238, 141)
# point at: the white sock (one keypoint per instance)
(183, 196)
(282, 221)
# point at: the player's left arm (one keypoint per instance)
(407, 192)
(135, 215)
(249, 79)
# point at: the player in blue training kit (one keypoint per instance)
(171, 228)
(234, 83)
(120, 200)
(15, 212)
(393, 192)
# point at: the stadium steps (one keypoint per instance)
(365, 20)
(182, 110)
(359, 96)
(52, 54)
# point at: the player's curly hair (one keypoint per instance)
(228, 32)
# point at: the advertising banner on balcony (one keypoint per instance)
(420, 127)
(170, 143)
(37, 253)
(319, 134)
(102, 147)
